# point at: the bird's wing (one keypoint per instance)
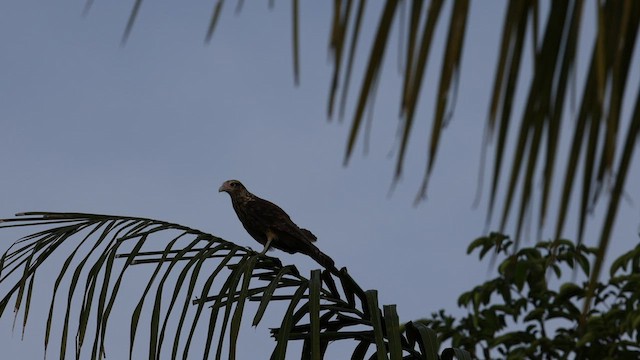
(288, 236)
(273, 217)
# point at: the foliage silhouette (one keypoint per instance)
(530, 311)
(105, 247)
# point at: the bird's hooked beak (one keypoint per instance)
(231, 187)
(224, 187)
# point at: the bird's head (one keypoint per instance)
(232, 187)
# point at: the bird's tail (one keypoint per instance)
(309, 234)
(323, 259)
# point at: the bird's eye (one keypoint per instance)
(234, 184)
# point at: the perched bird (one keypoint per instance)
(271, 226)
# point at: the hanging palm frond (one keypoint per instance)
(596, 132)
(105, 247)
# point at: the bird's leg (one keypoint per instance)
(266, 246)
(270, 237)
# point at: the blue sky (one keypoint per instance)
(153, 128)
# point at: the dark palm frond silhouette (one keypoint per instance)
(106, 247)
(598, 130)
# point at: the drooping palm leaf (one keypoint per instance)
(104, 248)
(597, 127)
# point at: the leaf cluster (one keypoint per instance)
(530, 311)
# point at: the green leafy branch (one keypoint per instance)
(529, 312)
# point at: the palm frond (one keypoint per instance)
(106, 247)
(597, 129)
(99, 241)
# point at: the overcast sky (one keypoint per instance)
(153, 128)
